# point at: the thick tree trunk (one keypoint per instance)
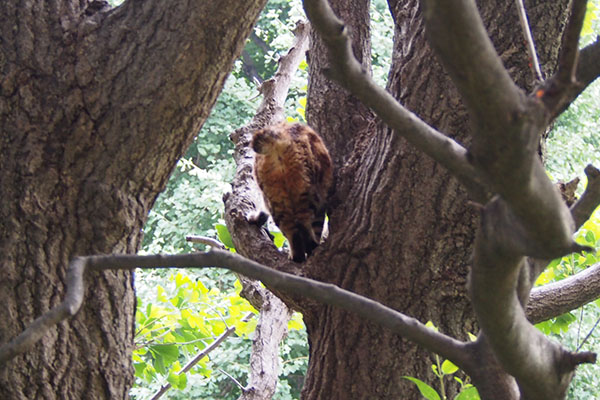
(96, 106)
(402, 229)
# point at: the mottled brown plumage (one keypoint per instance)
(294, 171)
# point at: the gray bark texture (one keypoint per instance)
(96, 106)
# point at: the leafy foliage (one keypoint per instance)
(184, 319)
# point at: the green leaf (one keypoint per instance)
(181, 279)
(278, 238)
(182, 381)
(468, 393)
(139, 369)
(590, 238)
(296, 322)
(173, 379)
(448, 368)
(427, 391)
(224, 236)
(160, 295)
(159, 364)
(169, 352)
(590, 16)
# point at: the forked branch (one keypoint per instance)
(560, 90)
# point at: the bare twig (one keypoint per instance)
(163, 389)
(535, 64)
(40, 326)
(368, 309)
(588, 335)
(205, 240)
(238, 384)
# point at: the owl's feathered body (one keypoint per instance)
(294, 171)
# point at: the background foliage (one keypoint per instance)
(181, 312)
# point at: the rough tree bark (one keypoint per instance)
(401, 227)
(379, 245)
(96, 106)
(404, 232)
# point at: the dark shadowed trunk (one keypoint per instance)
(96, 106)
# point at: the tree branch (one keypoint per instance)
(245, 198)
(501, 115)
(567, 62)
(590, 199)
(540, 304)
(456, 33)
(270, 330)
(250, 240)
(588, 67)
(40, 326)
(556, 97)
(347, 70)
(560, 90)
(371, 310)
(264, 358)
(541, 367)
(557, 298)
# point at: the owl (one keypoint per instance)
(294, 172)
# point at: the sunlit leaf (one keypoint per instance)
(427, 391)
(296, 322)
(468, 393)
(278, 238)
(169, 352)
(224, 236)
(448, 367)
